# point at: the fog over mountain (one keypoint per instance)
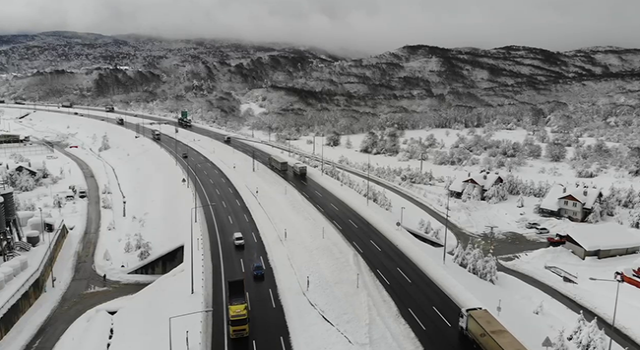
(369, 26)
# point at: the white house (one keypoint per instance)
(574, 203)
(603, 241)
(484, 180)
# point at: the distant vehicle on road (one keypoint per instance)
(227, 139)
(532, 225)
(238, 240)
(120, 121)
(542, 230)
(486, 331)
(278, 163)
(185, 155)
(19, 102)
(82, 193)
(258, 270)
(67, 105)
(156, 135)
(1, 101)
(109, 109)
(300, 169)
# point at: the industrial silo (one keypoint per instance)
(9, 205)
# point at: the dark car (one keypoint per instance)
(258, 270)
(531, 225)
(185, 155)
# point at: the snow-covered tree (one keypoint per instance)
(460, 255)
(348, 143)
(488, 270)
(520, 202)
(634, 218)
(21, 181)
(539, 309)
(476, 195)
(128, 247)
(555, 151)
(369, 143)
(333, 139)
(475, 262)
(591, 337)
(560, 341)
(496, 194)
(421, 224)
(106, 203)
(467, 193)
(596, 213)
(105, 143)
(578, 329)
(427, 228)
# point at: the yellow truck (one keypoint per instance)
(486, 331)
(238, 309)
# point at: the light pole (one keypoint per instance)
(322, 166)
(194, 190)
(183, 315)
(192, 209)
(368, 166)
(401, 214)
(446, 228)
(618, 279)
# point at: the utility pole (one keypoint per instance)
(253, 160)
(368, 166)
(175, 145)
(322, 166)
(421, 159)
(314, 145)
(446, 229)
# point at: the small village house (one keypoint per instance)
(574, 203)
(483, 180)
(603, 241)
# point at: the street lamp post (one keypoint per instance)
(194, 190)
(618, 280)
(368, 166)
(192, 209)
(322, 166)
(401, 214)
(446, 229)
(183, 315)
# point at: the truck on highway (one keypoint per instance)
(486, 331)
(227, 139)
(156, 135)
(238, 309)
(300, 169)
(67, 104)
(109, 109)
(120, 120)
(278, 163)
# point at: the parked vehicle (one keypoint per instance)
(300, 169)
(258, 270)
(486, 331)
(120, 121)
(238, 240)
(558, 240)
(238, 309)
(532, 225)
(227, 139)
(82, 193)
(278, 163)
(74, 146)
(542, 230)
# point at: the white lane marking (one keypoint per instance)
(218, 192)
(405, 276)
(204, 171)
(237, 202)
(272, 301)
(375, 245)
(230, 190)
(354, 225)
(254, 237)
(303, 182)
(212, 182)
(224, 204)
(254, 345)
(335, 223)
(216, 171)
(414, 316)
(245, 217)
(334, 207)
(230, 221)
(444, 319)
(248, 301)
(199, 166)
(262, 261)
(223, 180)
(357, 246)
(318, 193)
(384, 278)
(306, 195)
(282, 343)
(242, 265)
(322, 210)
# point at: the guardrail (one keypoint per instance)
(20, 301)
(564, 274)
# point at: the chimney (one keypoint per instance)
(496, 173)
(564, 189)
(468, 174)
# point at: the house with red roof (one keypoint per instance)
(574, 203)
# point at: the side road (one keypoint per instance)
(76, 301)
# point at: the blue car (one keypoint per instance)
(258, 270)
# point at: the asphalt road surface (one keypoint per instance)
(76, 301)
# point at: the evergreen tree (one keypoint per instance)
(520, 202)
(105, 143)
(596, 213)
(489, 269)
(466, 194)
(348, 143)
(560, 341)
(581, 324)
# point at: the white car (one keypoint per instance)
(238, 240)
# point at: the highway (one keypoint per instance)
(430, 313)
(228, 214)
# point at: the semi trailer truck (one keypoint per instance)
(486, 331)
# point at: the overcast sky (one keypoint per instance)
(370, 26)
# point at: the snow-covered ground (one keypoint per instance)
(128, 169)
(598, 295)
(74, 215)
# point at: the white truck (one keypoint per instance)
(300, 169)
(486, 331)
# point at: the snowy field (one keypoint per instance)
(598, 295)
(73, 212)
(125, 166)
